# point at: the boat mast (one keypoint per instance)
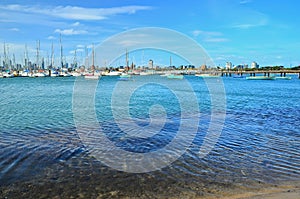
(5, 56)
(8, 58)
(37, 54)
(75, 59)
(61, 53)
(143, 53)
(127, 59)
(93, 60)
(86, 58)
(14, 61)
(26, 57)
(52, 56)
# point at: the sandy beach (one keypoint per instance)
(272, 193)
(289, 194)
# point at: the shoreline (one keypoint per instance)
(281, 192)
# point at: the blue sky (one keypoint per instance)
(240, 31)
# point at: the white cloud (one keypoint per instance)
(80, 46)
(14, 29)
(74, 12)
(70, 32)
(249, 25)
(251, 20)
(51, 38)
(206, 33)
(210, 36)
(76, 24)
(197, 32)
(80, 50)
(245, 1)
(77, 51)
(216, 40)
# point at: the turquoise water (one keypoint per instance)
(40, 146)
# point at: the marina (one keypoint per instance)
(281, 74)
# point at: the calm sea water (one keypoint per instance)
(42, 154)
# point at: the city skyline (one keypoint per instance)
(237, 31)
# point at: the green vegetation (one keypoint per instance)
(295, 68)
(272, 68)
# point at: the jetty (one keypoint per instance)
(266, 73)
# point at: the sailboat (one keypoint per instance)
(125, 76)
(92, 75)
(38, 72)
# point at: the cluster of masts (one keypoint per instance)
(8, 62)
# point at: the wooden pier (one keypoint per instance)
(267, 73)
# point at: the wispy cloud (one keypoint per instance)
(251, 19)
(80, 46)
(51, 38)
(14, 29)
(76, 24)
(209, 36)
(80, 50)
(74, 12)
(196, 33)
(70, 32)
(245, 1)
(261, 22)
(216, 40)
(206, 33)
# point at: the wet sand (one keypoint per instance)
(285, 192)
(290, 194)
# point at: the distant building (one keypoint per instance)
(228, 65)
(239, 67)
(150, 64)
(203, 67)
(254, 65)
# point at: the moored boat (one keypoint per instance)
(24, 73)
(284, 78)
(148, 72)
(175, 76)
(113, 73)
(261, 78)
(91, 76)
(54, 73)
(125, 75)
(64, 74)
(76, 74)
(7, 75)
(39, 74)
(207, 75)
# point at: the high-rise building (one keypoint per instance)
(150, 64)
(254, 65)
(228, 65)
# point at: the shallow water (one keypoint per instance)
(42, 154)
